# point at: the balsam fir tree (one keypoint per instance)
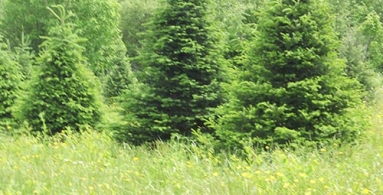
(63, 93)
(179, 78)
(293, 88)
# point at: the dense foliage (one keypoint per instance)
(252, 72)
(179, 77)
(293, 87)
(96, 21)
(10, 81)
(25, 16)
(134, 16)
(63, 92)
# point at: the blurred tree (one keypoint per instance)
(95, 20)
(26, 17)
(98, 22)
(349, 19)
(372, 29)
(134, 15)
(25, 56)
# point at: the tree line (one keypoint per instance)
(257, 72)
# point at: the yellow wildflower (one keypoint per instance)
(247, 175)
(366, 191)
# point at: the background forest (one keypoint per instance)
(191, 97)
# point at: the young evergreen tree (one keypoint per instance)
(10, 72)
(293, 87)
(179, 79)
(63, 93)
(120, 75)
(25, 56)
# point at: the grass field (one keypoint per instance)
(92, 163)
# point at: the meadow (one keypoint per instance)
(93, 163)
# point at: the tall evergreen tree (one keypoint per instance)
(62, 92)
(293, 87)
(179, 79)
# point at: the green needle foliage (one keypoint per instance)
(10, 73)
(179, 77)
(293, 88)
(62, 92)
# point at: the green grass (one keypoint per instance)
(92, 163)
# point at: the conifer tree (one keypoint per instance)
(10, 72)
(120, 75)
(63, 93)
(179, 78)
(293, 87)
(25, 56)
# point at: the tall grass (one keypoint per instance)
(92, 163)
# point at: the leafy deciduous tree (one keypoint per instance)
(134, 15)
(96, 21)
(353, 42)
